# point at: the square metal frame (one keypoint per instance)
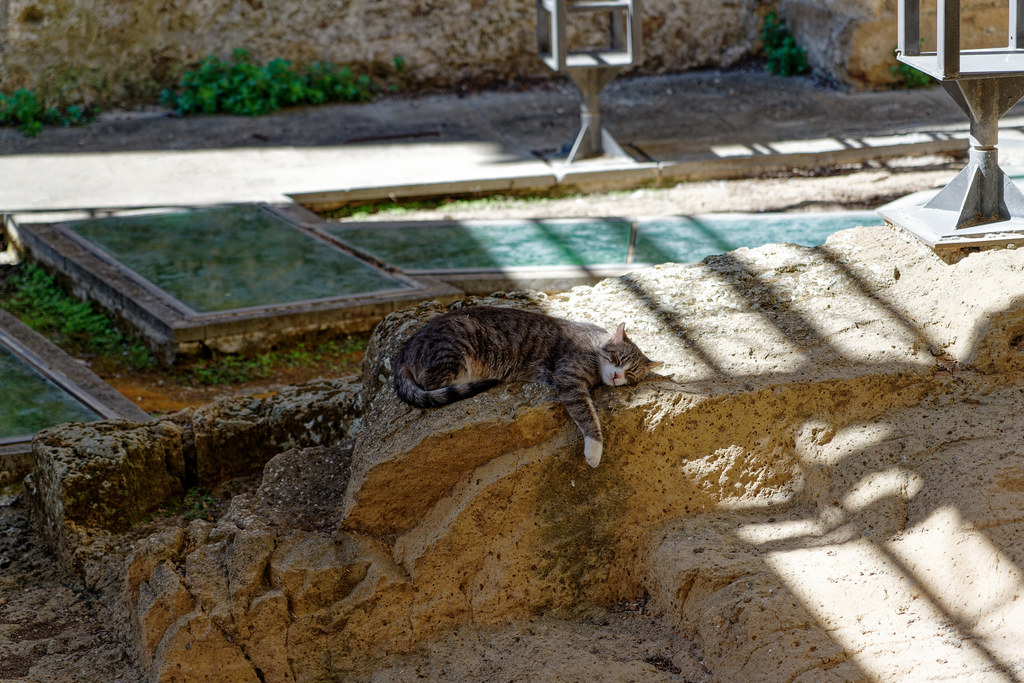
(624, 47)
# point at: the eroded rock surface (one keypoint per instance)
(93, 52)
(827, 464)
(93, 481)
(136, 50)
(854, 40)
(237, 437)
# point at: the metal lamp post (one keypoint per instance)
(981, 205)
(591, 69)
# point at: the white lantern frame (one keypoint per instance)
(981, 206)
(591, 69)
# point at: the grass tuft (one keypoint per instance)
(35, 296)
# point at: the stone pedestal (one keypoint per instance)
(981, 205)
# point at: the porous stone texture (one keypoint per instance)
(130, 50)
(267, 592)
(108, 474)
(103, 51)
(799, 491)
(853, 40)
(91, 482)
(236, 437)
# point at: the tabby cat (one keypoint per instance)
(463, 352)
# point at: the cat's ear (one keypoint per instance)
(654, 364)
(619, 333)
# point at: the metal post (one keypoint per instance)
(948, 25)
(561, 45)
(908, 28)
(636, 32)
(592, 140)
(981, 205)
(1016, 24)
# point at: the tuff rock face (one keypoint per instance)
(131, 51)
(828, 461)
(853, 40)
(100, 51)
(94, 481)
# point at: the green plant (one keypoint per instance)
(240, 87)
(23, 110)
(908, 76)
(398, 208)
(199, 505)
(236, 369)
(783, 56)
(226, 370)
(37, 298)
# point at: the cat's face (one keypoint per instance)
(622, 361)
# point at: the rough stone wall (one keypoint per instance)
(116, 50)
(853, 40)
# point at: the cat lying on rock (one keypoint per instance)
(463, 352)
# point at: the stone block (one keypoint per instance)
(236, 437)
(106, 475)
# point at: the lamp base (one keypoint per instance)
(937, 228)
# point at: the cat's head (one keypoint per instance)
(622, 361)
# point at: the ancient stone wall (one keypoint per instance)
(853, 40)
(111, 51)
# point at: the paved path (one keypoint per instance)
(693, 126)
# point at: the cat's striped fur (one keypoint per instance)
(463, 352)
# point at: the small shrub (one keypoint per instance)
(909, 77)
(24, 111)
(240, 87)
(783, 56)
(227, 370)
(199, 505)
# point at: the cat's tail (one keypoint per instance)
(415, 395)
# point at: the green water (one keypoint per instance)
(236, 257)
(681, 239)
(489, 245)
(30, 402)
(685, 239)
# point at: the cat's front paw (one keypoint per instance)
(592, 450)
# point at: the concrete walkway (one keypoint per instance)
(694, 126)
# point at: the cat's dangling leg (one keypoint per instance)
(576, 399)
(592, 451)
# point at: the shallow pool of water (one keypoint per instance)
(688, 239)
(507, 244)
(235, 257)
(31, 402)
(480, 244)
